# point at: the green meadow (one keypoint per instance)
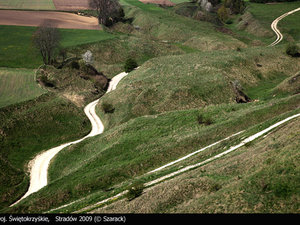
(17, 85)
(17, 50)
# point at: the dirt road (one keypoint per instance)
(39, 165)
(276, 30)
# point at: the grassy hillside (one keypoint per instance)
(182, 97)
(261, 178)
(17, 85)
(266, 13)
(107, 163)
(28, 128)
(195, 80)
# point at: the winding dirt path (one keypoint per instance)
(39, 165)
(276, 30)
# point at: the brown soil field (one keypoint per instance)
(159, 2)
(57, 19)
(70, 5)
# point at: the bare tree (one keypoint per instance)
(109, 11)
(46, 38)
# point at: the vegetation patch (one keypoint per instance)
(20, 82)
(42, 123)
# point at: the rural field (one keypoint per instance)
(64, 5)
(56, 19)
(20, 82)
(179, 123)
(27, 4)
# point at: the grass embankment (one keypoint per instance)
(261, 178)
(142, 142)
(17, 85)
(195, 80)
(122, 154)
(28, 128)
(166, 25)
(266, 13)
(177, 91)
(254, 26)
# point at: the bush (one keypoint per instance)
(135, 191)
(235, 6)
(293, 50)
(204, 120)
(130, 65)
(107, 108)
(75, 65)
(223, 14)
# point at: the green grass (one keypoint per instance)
(121, 153)
(266, 13)
(179, 1)
(166, 25)
(27, 4)
(17, 50)
(157, 111)
(265, 89)
(28, 128)
(17, 85)
(262, 178)
(193, 80)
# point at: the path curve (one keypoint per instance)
(39, 165)
(276, 30)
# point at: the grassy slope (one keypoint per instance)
(193, 81)
(27, 4)
(28, 128)
(121, 154)
(165, 25)
(17, 85)
(118, 155)
(261, 178)
(266, 13)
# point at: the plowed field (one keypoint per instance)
(57, 19)
(70, 5)
(159, 2)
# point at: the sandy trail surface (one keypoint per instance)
(40, 164)
(57, 19)
(276, 30)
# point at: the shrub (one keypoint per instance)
(204, 120)
(134, 191)
(107, 108)
(293, 50)
(130, 65)
(44, 79)
(75, 65)
(223, 14)
(235, 6)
